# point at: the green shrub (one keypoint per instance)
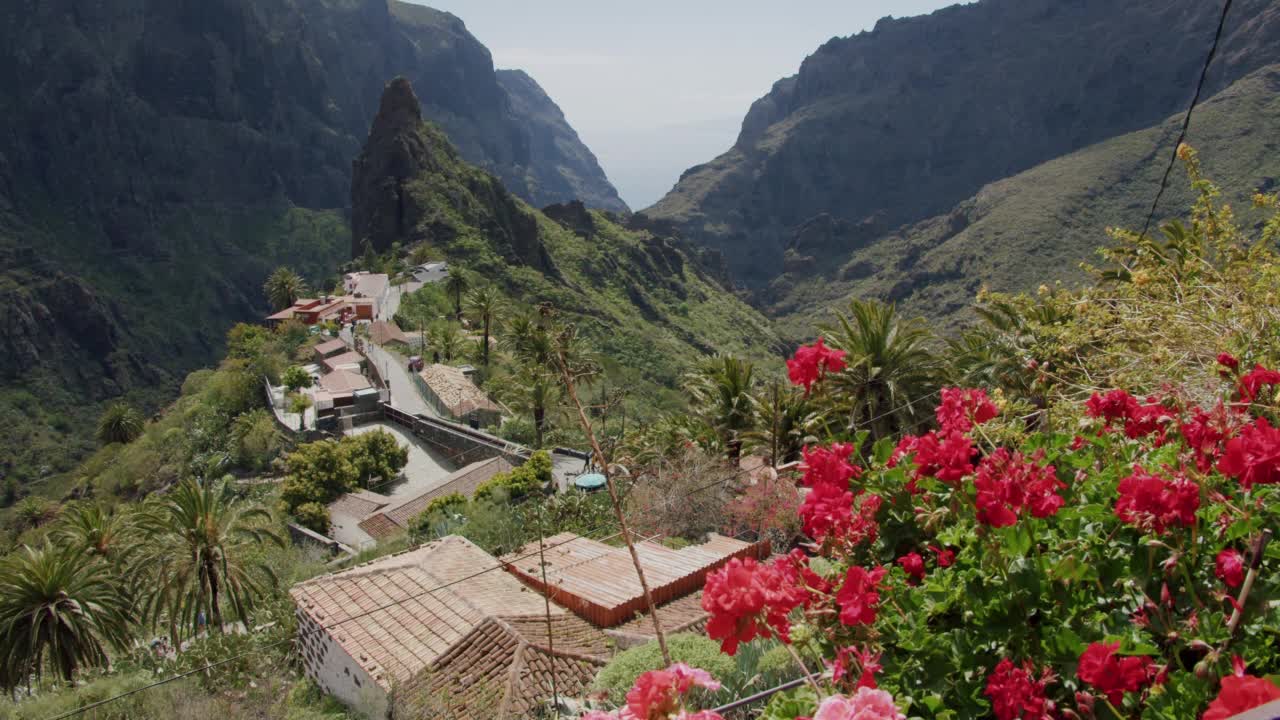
(295, 378)
(620, 674)
(313, 516)
(529, 478)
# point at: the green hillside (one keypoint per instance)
(1040, 225)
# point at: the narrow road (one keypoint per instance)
(404, 391)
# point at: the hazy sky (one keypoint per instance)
(656, 87)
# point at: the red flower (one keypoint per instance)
(1007, 484)
(946, 557)
(1253, 381)
(829, 466)
(796, 572)
(1077, 442)
(1239, 694)
(962, 409)
(1203, 435)
(1151, 503)
(867, 662)
(913, 564)
(1115, 405)
(1253, 456)
(1142, 420)
(946, 456)
(859, 596)
(1229, 567)
(811, 362)
(1113, 675)
(829, 512)
(746, 601)
(1016, 694)
(1228, 361)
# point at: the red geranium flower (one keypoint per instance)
(913, 564)
(1228, 361)
(1253, 456)
(1151, 503)
(946, 456)
(747, 600)
(1229, 567)
(1142, 420)
(811, 362)
(1113, 675)
(946, 556)
(1253, 381)
(1240, 693)
(829, 466)
(1203, 435)
(1016, 694)
(961, 409)
(859, 596)
(1115, 405)
(1007, 484)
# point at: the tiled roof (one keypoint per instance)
(599, 583)
(464, 482)
(456, 391)
(383, 332)
(347, 358)
(396, 615)
(684, 614)
(504, 669)
(344, 382)
(330, 347)
(358, 504)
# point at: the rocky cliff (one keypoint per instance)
(645, 306)
(903, 122)
(159, 157)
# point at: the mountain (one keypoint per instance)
(1040, 225)
(159, 157)
(644, 303)
(901, 123)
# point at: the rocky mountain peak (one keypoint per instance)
(398, 110)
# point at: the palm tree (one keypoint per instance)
(457, 284)
(98, 531)
(59, 609)
(199, 543)
(534, 389)
(784, 419)
(283, 288)
(120, 423)
(891, 369)
(527, 338)
(446, 338)
(720, 394)
(483, 303)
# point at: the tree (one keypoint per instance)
(375, 454)
(295, 378)
(784, 421)
(720, 394)
(200, 539)
(120, 423)
(446, 338)
(317, 472)
(457, 284)
(283, 288)
(531, 477)
(298, 404)
(313, 516)
(533, 389)
(483, 303)
(34, 511)
(891, 369)
(59, 609)
(99, 531)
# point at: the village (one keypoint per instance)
(445, 628)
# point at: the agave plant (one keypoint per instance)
(60, 609)
(199, 549)
(121, 423)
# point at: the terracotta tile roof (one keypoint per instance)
(464, 482)
(504, 668)
(682, 615)
(330, 347)
(344, 382)
(347, 358)
(396, 615)
(456, 391)
(599, 583)
(358, 504)
(383, 332)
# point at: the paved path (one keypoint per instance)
(427, 468)
(404, 391)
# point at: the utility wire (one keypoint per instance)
(1186, 121)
